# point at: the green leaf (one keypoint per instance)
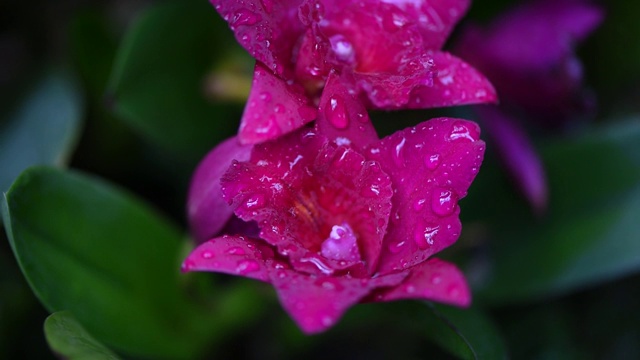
(69, 339)
(157, 84)
(43, 130)
(466, 333)
(94, 250)
(590, 232)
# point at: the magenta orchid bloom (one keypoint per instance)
(342, 221)
(388, 50)
(528, 54)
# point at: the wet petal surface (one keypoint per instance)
(234, 255)
(456, 83)
(431, 167)
(299, 187)
(274, 108)
(317, 302)
(435, 280)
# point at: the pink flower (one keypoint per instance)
(342, 221)
(528, 54)
(387, 50)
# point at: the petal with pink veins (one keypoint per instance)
(434, 280)
(274, 108)
(207, 211)
(235, 255)
(317, 302)
(456, 83)
(431, 167)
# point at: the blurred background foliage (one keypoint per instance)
(116, 101)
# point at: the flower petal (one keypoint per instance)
(536, 35)
(273, 108)
(518, 155)
(342, 117)
(435, 19)
(456, 83)
(235, 255)
(268, 29)
(431, 167)
(435, 280)
(207, 211)
(317, 302)
(299, 187)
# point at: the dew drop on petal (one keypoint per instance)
(436, 279)
(343, 49)
(398, 155)
(236, 250)
(425, 236)
(336, 112)
(265, 96)
(207, 255)
(396, 247)
(443, 202)
(187, 265)
(247, 266)
(460, 131)
(419, 204)
(432, 161)
(245, 17)
(327, 321)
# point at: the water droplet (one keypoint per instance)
(282, 274)
(454, 291)
(432, 161)
(247, 266)
(255, 202)
(279, 108)
(398, 155)
(288, 249)
(207, 255)
(336, 113)
(436, 279)
(265, 96)
(343, 49)
(236, 250)
(187, 265)
(419, 204)
(396, 247)
(245, 17)
(425, 237)
(321, 265)
(443, 202)
(327, 321)
(410, 289)
(270, 128)
(460, 131)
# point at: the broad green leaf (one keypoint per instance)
(42, 130)
(590, 232)
(87, 247)
(157, 84)
(69, 339)
(466, 333)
